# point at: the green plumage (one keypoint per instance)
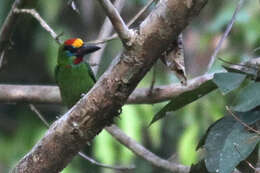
(73, 79)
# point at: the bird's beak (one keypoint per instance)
(87, 50)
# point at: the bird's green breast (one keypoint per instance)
(74, 81)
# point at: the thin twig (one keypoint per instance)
(105, 40)
(42, 22)
(35, 110)
(2, 58)
(133, 20)
(240, 121)
(140, 13)
(121, 168)
(121, 28)
(224, 36)
(241, 64)
(143, 152)
(7, 28)
(81, 154)
(104, 32)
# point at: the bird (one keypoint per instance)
(73, 75)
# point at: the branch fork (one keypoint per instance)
(124, 33)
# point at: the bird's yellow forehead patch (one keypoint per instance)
(77, 43)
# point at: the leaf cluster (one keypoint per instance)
(231, 142)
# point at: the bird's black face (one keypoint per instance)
(81, 51)
(70, 48)
(84, 50)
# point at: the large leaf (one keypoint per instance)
(227, 82)
(228, 142)
(184, 99)
(248, 98)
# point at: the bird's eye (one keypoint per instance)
(70, 48)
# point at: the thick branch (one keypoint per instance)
(144, 153)
(94, 111)
(81, 154)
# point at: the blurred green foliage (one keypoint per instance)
(32, 58)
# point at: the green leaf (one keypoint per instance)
(203, 139)
(228, 142)
(248, 98)
(227, 82)
(184, 99)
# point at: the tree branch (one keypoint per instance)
(29, 94)
(37, 16)
(10, 21)
(81, 154)
(144, 153)
(133, 20)
(124, 33)
(164, 93)
(224, 36)
(95, 110)
(51, 95)
(104, 32)
(141, 12)
(130, 144)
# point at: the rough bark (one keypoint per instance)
(94, 111)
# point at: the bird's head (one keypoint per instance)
(74, 50)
